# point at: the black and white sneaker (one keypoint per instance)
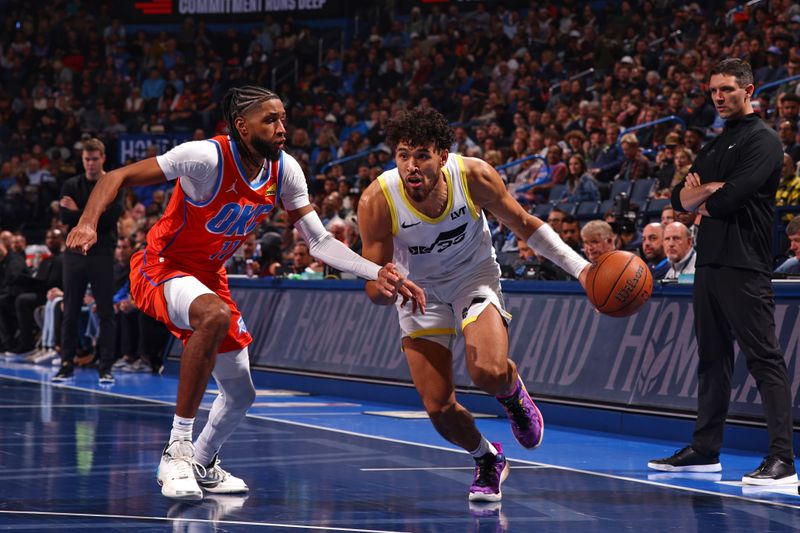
(67, 371)
(686, 460)
(772, 471)
(105, 377)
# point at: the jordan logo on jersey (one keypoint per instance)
(271, 190)
(445, 240)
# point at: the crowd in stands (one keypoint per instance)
(551, 95)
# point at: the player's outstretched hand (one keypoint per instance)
(81, 238)
(391, 283)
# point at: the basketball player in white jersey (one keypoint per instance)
(426, 216)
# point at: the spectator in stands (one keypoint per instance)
(553, 174)
(679, 247)
(635, 165)
(694, 139)
(787, 131)
(788, 193)
(702, 113)
(246, 261)
(96, 267)
(48, 275)
(571, 233)
(598, 238)
(581, 186)
(792, 265)
(12, 268)
(664, 168)
(788, 109)
(302, 260)
(653, 249)
(667, 215)
(774, 70)
(683, 162)
(610, 158)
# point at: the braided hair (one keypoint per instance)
(236, 103)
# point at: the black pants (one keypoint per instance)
(734, 303)
(25, 304)
(78, 271)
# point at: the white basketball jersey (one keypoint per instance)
(438, 249)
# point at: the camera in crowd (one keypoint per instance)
(624, 215)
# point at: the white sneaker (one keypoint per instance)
(176, 472)
(218, 481)
(46, 355)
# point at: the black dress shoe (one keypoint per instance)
(772, 471)
(686, 460)
(64, 373)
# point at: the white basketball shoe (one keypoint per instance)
(176, 472)
(218, 481)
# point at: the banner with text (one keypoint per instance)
(133, 146)
(562, 347)
(159, 11)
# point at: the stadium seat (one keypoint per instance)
(542, 210)
(641, 189)
(557, 192)
(587, 210)
(618, 187)
(653, 211)
(567, 207)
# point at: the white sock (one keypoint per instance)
(483, 448)
(181, 428)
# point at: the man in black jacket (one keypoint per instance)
(12, 268)
(95, 267)
(47, 276)
(732, 183)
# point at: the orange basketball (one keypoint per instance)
(619, 283)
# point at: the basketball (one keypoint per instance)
(619, 283)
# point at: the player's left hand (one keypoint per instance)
(391, 283)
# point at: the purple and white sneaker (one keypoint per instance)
(526, 420)
(490, 472)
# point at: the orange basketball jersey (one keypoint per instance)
(202, 236)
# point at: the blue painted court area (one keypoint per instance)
(83, 457)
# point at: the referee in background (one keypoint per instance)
(732, 183)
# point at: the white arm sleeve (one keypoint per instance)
(197, 164)
(294, 191)
(323, 246)
(545, 241)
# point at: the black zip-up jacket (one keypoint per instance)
(79, 188)
(748, 157)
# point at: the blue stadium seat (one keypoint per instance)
(542, 210)
(618, 187)
(557, 192)
(653, 211)
(641, 189)
(606, 205)
(587, 210)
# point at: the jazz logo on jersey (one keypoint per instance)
(237, 220)
(445, 240)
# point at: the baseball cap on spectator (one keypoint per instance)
(774, 50)
(628, 60)
(670, 52)
(385, 149)
(695, 93)
(330, 117)
(341, 179)
(414, 35)
(661, 99)
(575, 33)
(672, 139)
(374, 38)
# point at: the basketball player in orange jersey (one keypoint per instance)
(225, 186)
(427, 216)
